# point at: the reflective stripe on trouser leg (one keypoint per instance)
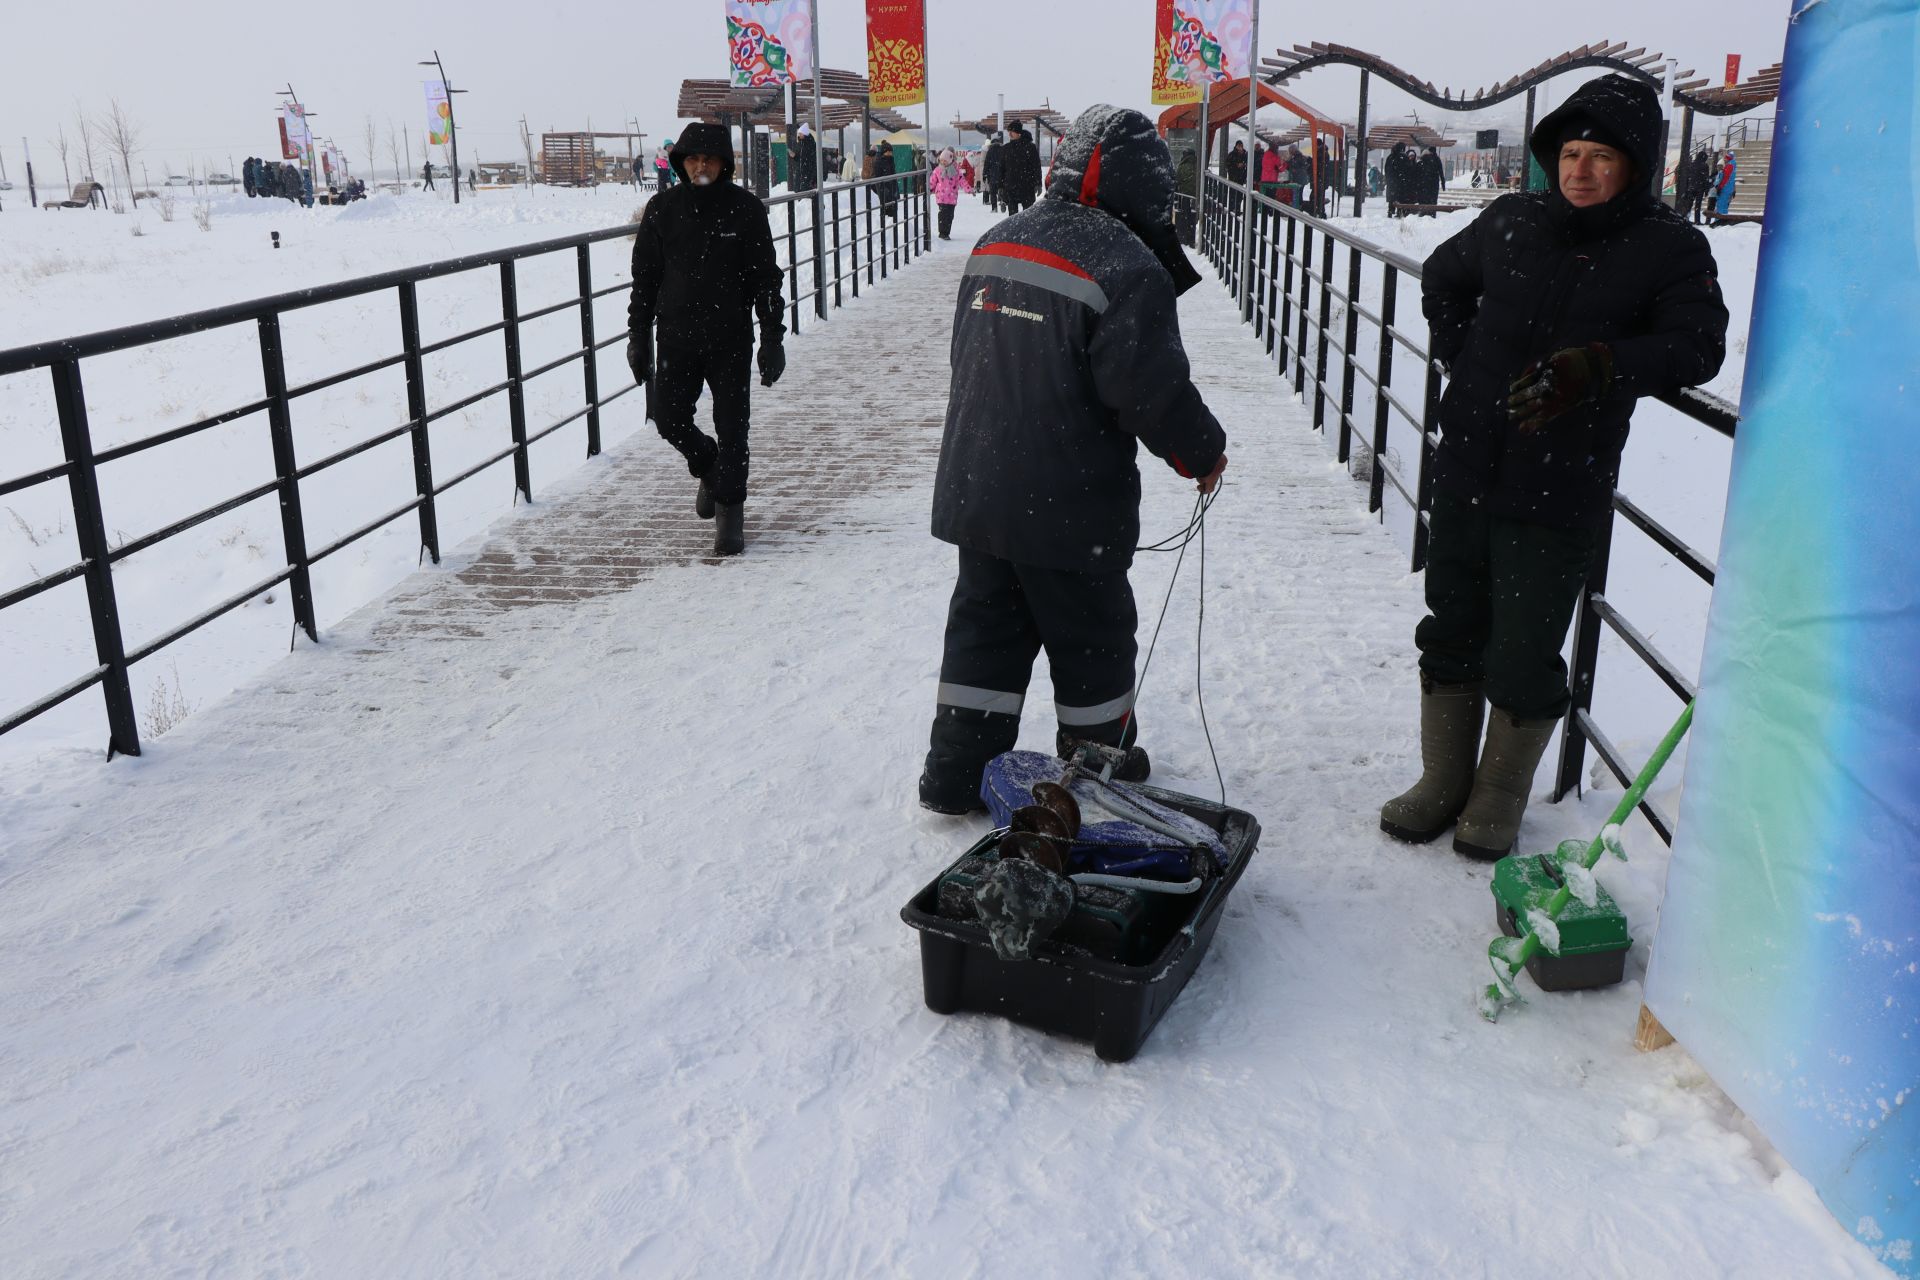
(1087, 622)
(991, 642)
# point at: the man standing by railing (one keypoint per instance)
(1554, 311)
(703, 270)
(1066, 355)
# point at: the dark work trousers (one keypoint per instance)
(1500, 596)
(678, 375)
(1002, 615)
(1015, 204)
(946, 222)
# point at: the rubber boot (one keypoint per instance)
(703, 502)
(1491, 821)
(729, 528)
(1450, 718)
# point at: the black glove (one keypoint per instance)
(1569, 377)
(640, 357)
(773, 360)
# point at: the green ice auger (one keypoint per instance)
(1510, 954)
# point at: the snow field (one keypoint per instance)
(572, 947)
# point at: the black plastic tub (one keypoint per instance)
(1064, 989)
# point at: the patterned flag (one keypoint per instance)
(439, 113)
(897, 52)
(769, 42)
(1199, 42)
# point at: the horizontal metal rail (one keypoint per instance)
(876, 226)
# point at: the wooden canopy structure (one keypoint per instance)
(844, 98)
(1606, 55)
(1045, 117)
(1228, 103)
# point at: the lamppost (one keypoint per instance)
(453, 136)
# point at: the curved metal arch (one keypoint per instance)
(1638, 63)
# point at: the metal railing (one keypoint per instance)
(1288, 282)
(845, 229)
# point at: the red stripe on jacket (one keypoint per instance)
(1026, 253)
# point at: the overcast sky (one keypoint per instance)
(201, 79)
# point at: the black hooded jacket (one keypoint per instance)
(1020, 168)
(1066, 354)
(703, 261)
(1532, 275)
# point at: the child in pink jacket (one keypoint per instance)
(949, 184)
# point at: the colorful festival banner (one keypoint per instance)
(439, 113)
(1788, 956)
(296, 135)
(769, 42)
(1199, 42)
(897, 52)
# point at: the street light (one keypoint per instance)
(453, 137)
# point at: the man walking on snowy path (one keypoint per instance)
(1019, 169)
(1066, 355)
(1555, 311)
(703, 271)
(426, 171)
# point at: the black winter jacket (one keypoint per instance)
(1532, 275)
(703, 261)
(995, 164)
(1066, 352)
(1020, 169)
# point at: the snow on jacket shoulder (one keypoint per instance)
(1066, 356)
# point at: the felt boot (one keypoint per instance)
(1491, 821)
(1450, 718)
(703, 502)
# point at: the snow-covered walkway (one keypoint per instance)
(544, 921)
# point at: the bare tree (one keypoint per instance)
(373, 157)
(86, 137)
(61, 146)
(123, 139)
(393, 149)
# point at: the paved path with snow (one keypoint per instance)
(562, 938)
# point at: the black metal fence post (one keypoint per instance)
(1349, 359)
(839, 296)
(1306, 301)
(819, 255)
(1376, 484)
(293, 527)
(793, 271)
(590, 362)
(1286, 298)
(516, 393)
(417, 415)
(90, 531)
(1326, 319)
(1586, 661)
(1276, 323)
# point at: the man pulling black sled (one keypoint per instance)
(1066, 352)
(703, 270)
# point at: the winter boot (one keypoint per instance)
(941, 795)
(1450, 718)
(1491, 821)
(1130, 763)
(703, 501)
(729, 528)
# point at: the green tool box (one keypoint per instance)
(1593, 939)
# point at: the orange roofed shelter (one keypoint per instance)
(1228, 103)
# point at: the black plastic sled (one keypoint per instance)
(1109, 973)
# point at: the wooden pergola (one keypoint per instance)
(845, 100)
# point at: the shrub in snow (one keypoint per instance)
(166, 205)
